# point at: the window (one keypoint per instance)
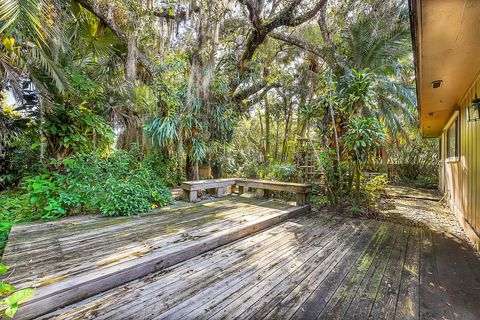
(452, 140)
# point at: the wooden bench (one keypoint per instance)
(263, 188)
(215, 187)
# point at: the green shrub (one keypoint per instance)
(120, 199)
(375, 187)
(278, 172)
(116, 185)
(4, 231)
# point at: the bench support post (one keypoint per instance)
(302, 199)
(242, 189)
(217, 192)
(190, 195)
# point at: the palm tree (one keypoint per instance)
(31, 38)
(378, 52)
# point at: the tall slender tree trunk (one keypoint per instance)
(262, 136)
(384, 151)
(276, 142)
(337, 145)
(288, 125)
(191, 168)
(267, 130)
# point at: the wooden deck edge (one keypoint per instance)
(52, 297)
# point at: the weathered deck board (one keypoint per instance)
(73, 259)
(309, 267)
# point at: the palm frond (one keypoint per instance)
(36, 18)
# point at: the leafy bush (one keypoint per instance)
(278, 172)
(114, 185)
(375, 187)
(4, 231)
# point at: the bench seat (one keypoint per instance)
(217, 187)
(302, 190)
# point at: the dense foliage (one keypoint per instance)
(104, 103)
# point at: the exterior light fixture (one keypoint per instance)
(474, 109)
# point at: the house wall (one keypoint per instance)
(460, 179)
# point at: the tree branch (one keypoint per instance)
(307, 46)
(243, 94)
(103, 15)
(261, 29)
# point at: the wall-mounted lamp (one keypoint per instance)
(474, 109)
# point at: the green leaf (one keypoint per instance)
(11, 310)
(3, 268)
(5, 287)
(14, 300)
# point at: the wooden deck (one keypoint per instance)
(74, 258)
(310, 267)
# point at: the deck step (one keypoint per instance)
(75, 288)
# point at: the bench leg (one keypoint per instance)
(302, 199)
(260, 193)
(217, 192)
(190, 195)
(242, 189)
(220, 192)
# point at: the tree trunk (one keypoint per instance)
(191, 169)
(384, 151)
(358, 173)
(276, 143)
(217, 170)
(288, 125)
(267, 130)
(262, 140)
(180, 152)
(131, 62)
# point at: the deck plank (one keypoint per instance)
(307, 267)
(408, 295)
(458, 282)
(228, 286)
(320, 293)
(364, 296)
(271, 297)
(347, 290)
(101, 254)
(224, 270)
(251, 294)
(386, 298)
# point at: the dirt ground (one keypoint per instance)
(419, 207)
